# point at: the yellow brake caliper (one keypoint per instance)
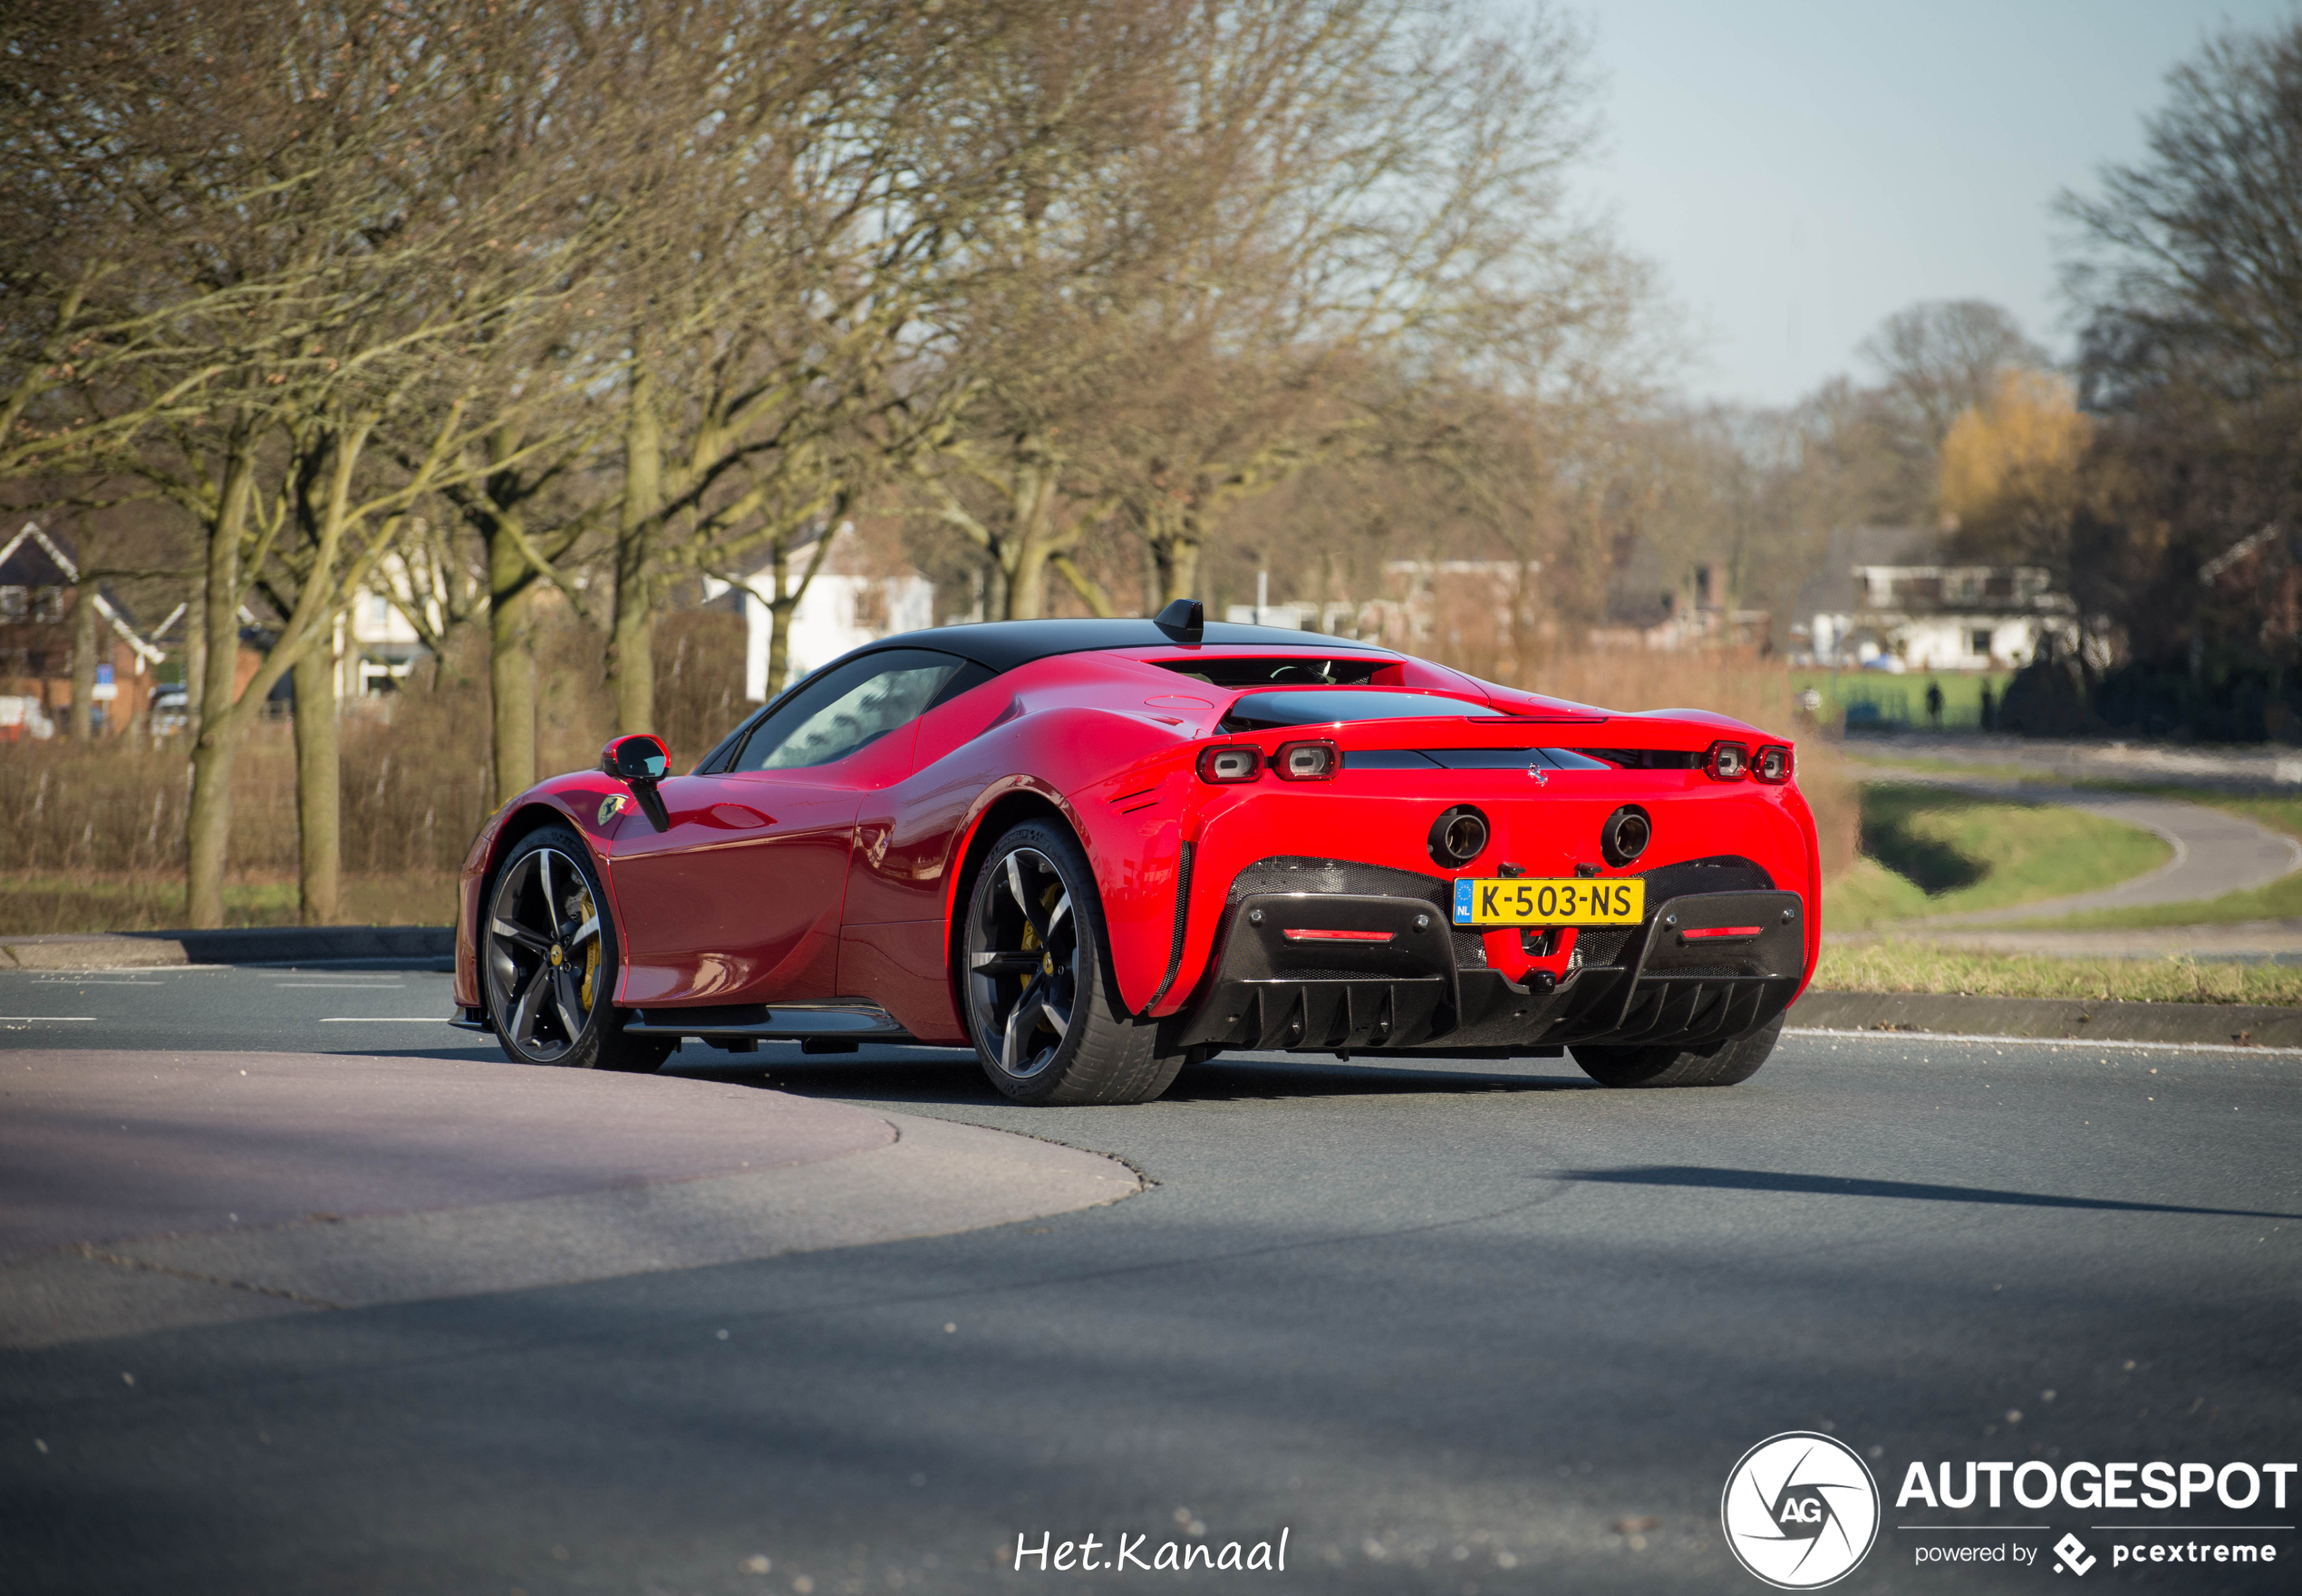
(585, 911)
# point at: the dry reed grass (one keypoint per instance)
(96, 836)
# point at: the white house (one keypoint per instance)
(852, 600)
(1886, 600)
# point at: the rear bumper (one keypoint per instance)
(1399, 977)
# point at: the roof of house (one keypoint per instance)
(35, 558)
(1831, 589)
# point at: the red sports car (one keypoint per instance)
(1100, 850)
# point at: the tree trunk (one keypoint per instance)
(318, 788)
(1177, 549)
(195, 660)
(208, 824)
(630, 654)
(778, 644)
(83, 660)
(511, 667)
(631, 646)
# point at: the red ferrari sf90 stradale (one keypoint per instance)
(1098, 850)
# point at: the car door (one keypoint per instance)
(737, 899)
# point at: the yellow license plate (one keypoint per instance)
(1502, 901)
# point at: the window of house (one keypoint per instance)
(13, 602)
(47, 604)
(1981, 639)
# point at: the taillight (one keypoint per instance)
(1770, 764)
(1726, 762)
(1305, 761)
(1227, 763)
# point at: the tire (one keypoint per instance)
(1724, 1065)
(1036, 980)
(548, 959)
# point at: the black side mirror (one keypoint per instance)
(640, 761)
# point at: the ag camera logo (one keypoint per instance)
(1801, 1511)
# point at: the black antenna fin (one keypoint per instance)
(1186, 620)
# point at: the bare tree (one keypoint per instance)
(318, 268)
(1938, 359)
(2198, 247)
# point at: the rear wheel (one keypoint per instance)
(548, 956)
(1042, 1004)
(1729, 1062)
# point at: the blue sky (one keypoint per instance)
(1800, 171)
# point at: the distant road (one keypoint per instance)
(2239, 768)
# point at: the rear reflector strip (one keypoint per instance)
(1340, 935)
(1714, 931)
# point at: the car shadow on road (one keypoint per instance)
(1832, 1185)
(951, 1076)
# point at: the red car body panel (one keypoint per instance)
(843, 881)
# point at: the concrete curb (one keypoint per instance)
(264, 944)
(2199, 1024)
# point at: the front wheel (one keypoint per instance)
(1724, 1065)
(547, 957)
(1035, 972)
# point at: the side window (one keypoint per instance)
(854, 705)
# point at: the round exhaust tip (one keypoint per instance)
(1626, 835)
(1458, 836)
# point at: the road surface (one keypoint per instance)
(1454, 1330)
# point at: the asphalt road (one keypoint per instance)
(1460, 1329)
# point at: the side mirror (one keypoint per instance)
(635, 759)
(640, 761)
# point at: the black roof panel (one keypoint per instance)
(1004, 644)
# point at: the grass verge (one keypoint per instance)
(1895, 966)
(1925, 968)
(34, 904)
(2280, 900)
(1930, 850)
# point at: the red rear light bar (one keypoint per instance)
(1710, 930)
(1318, 935)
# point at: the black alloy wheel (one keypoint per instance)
(547, 961)
(1035, 979)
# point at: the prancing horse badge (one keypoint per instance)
(611, 806)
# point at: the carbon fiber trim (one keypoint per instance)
(1182, 910)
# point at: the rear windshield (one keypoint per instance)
(1315, 707)
(1307, 669)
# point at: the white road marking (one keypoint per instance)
(53, 1018)
(386, 1019)
(2036, 1041)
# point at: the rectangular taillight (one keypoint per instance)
(1726, 762)
(1306, 761)
(1229, 763)
(1770, 764)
